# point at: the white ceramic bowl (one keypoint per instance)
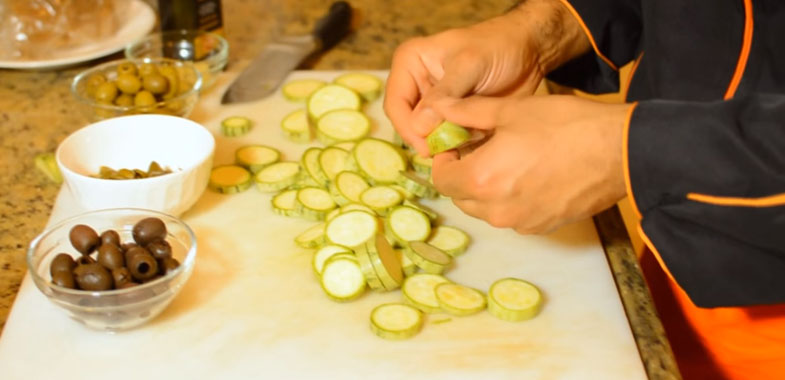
(132, 142)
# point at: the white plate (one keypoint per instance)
(138, 22)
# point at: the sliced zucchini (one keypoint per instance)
(378, 160)
(333, 161)
(396, 321)
(381, 199)
(332, 97)
(446, 136)
(432, 215)
(230, 179)
(406, 194)
(514, 300)
(310, 161)
(458, 299)
(298, 90)
(404, 224)
(332, 214)
(46, 163)
(416, 185)
(449, 239)
(347, 187)
(363, 258)
(277, 176)
(345, 145)
(342, 280)
(256, 157)
(342, 125)
(285, 203)
(314, 203)
(419, 290)
(407, 265)
(367, 85)
(422, 165)
(312, 237)
(324, 253)
(427, 257)
(236, 126)
(351, 228)
(295, 126)
(357, 206)
(385, 262)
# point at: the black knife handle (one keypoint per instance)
(333, 26)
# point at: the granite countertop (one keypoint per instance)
(37, 112)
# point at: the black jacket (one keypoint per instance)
(706, 152)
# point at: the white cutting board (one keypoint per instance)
(254, 310)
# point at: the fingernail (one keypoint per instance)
(425, 121)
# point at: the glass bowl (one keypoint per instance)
(177, 101)
(208, 51)
(120, 309)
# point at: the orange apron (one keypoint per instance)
(738, 343)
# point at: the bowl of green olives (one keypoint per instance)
(208, 51)
(113, 269)
(134, 86)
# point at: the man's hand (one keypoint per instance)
(506, 55)
(550, 160)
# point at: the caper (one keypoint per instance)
(84, 239)
(93, 277)
(124, 100)
(110, 256)
(63, 262)
(144, 99)
(149, 230)
(110, 237)
(155, 83)
(143, 266)
(128, 83)
(121, 276)
(160, 249)
(64, 279)
(106, 92)
(126, 68)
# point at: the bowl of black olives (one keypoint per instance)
(134, 86)
(113, 269)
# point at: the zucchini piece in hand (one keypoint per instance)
(299, 90)
(342, 125)
(332, 97)
(229, 179)
(256, 157)
(446, 136)
(419, 290)
(295, 126)
(236, 126)
(416, 185)
(459, 300)
(427, 257)
(342, 280)
(514, 300)
(396, 321)
(367, 85)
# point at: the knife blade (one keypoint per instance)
(268, 69)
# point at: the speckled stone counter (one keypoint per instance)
(37, 112)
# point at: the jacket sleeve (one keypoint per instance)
(708, 180)
(614, 30)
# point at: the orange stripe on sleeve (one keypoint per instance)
(588, 34)
(745, 51)
(626, 160)
(656, 254)
(769, 201)
(632, 73)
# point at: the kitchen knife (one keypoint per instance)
(266, 72)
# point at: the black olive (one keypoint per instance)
(63, 262)
(143, 266)
(84, 260)
(110, 256)
(128, 285)
(126, 246)
(84, 239)
(168, 264)
(135, 250)
(93, 277)
(64, 279)
(149, 230)
(121, 276)
(110, 237)
(160, 249)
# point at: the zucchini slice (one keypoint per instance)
(345, 145)
(419, 290)
(407, 265)
(395, 321)
(310, 161)
(381, 199)
(514, 300)
(295, 126)
(312, 237)
(230, 179)
(422, 165)
(416, 185)
(332, 97)
(285, 203)
(324, 253)
(256, 157)
(459, 300)
(314, 203)
(277, 176)
(378, 160)
(385, 262)
(367, 85)
(449, 239)
(427, 257)
(446, 136)
(364, 259)
(342, 280)
(351, 228)
(404, 224)
(333, 161)
(298, 90)
(236, 126)
(357, 206)
(347, 187)
(342, 125)
(432, 215)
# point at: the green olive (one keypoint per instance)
(144, 99)
(106, 92)
(126, 68)
(128, 83)
(147, 69)
(155, 83)
(124, 100)
(93, 81)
